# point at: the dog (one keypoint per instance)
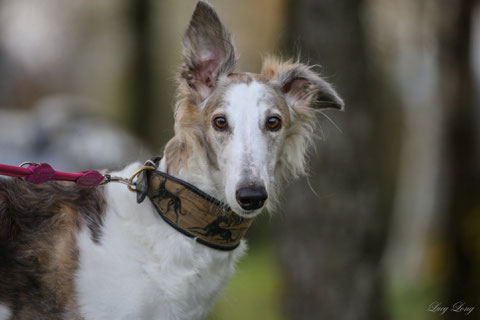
(72, 253)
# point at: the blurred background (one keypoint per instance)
(388, 224)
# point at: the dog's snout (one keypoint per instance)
(251, 196)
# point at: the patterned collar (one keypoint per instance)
(195, 213)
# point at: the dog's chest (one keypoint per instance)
(144, 269)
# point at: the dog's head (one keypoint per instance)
(255, 128)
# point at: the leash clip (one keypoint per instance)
(109, 178)
(23, 164)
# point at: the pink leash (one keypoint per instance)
(43, 172)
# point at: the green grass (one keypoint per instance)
(411, 301)
(255, 291)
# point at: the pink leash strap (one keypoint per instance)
(43, 172)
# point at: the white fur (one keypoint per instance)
(246, 156)
(145, 269)
(5, 312)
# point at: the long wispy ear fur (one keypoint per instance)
(207, 51)
(306, 93)
(301, 85)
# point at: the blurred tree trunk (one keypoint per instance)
(332, 244)
(142, 95)
(463, 224)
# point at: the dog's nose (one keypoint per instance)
(251, 197)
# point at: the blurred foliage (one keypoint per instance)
(255, 291)
(411, 301)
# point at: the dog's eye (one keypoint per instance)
(220, 123)
(274, 123)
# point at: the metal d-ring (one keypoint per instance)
(136, 173)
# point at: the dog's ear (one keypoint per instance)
(300, 85)
(305, 92)
(207, 51)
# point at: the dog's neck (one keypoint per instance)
(184, 159)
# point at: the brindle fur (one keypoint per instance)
(38, 252)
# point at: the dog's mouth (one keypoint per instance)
(249, 210)
(251, 206)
